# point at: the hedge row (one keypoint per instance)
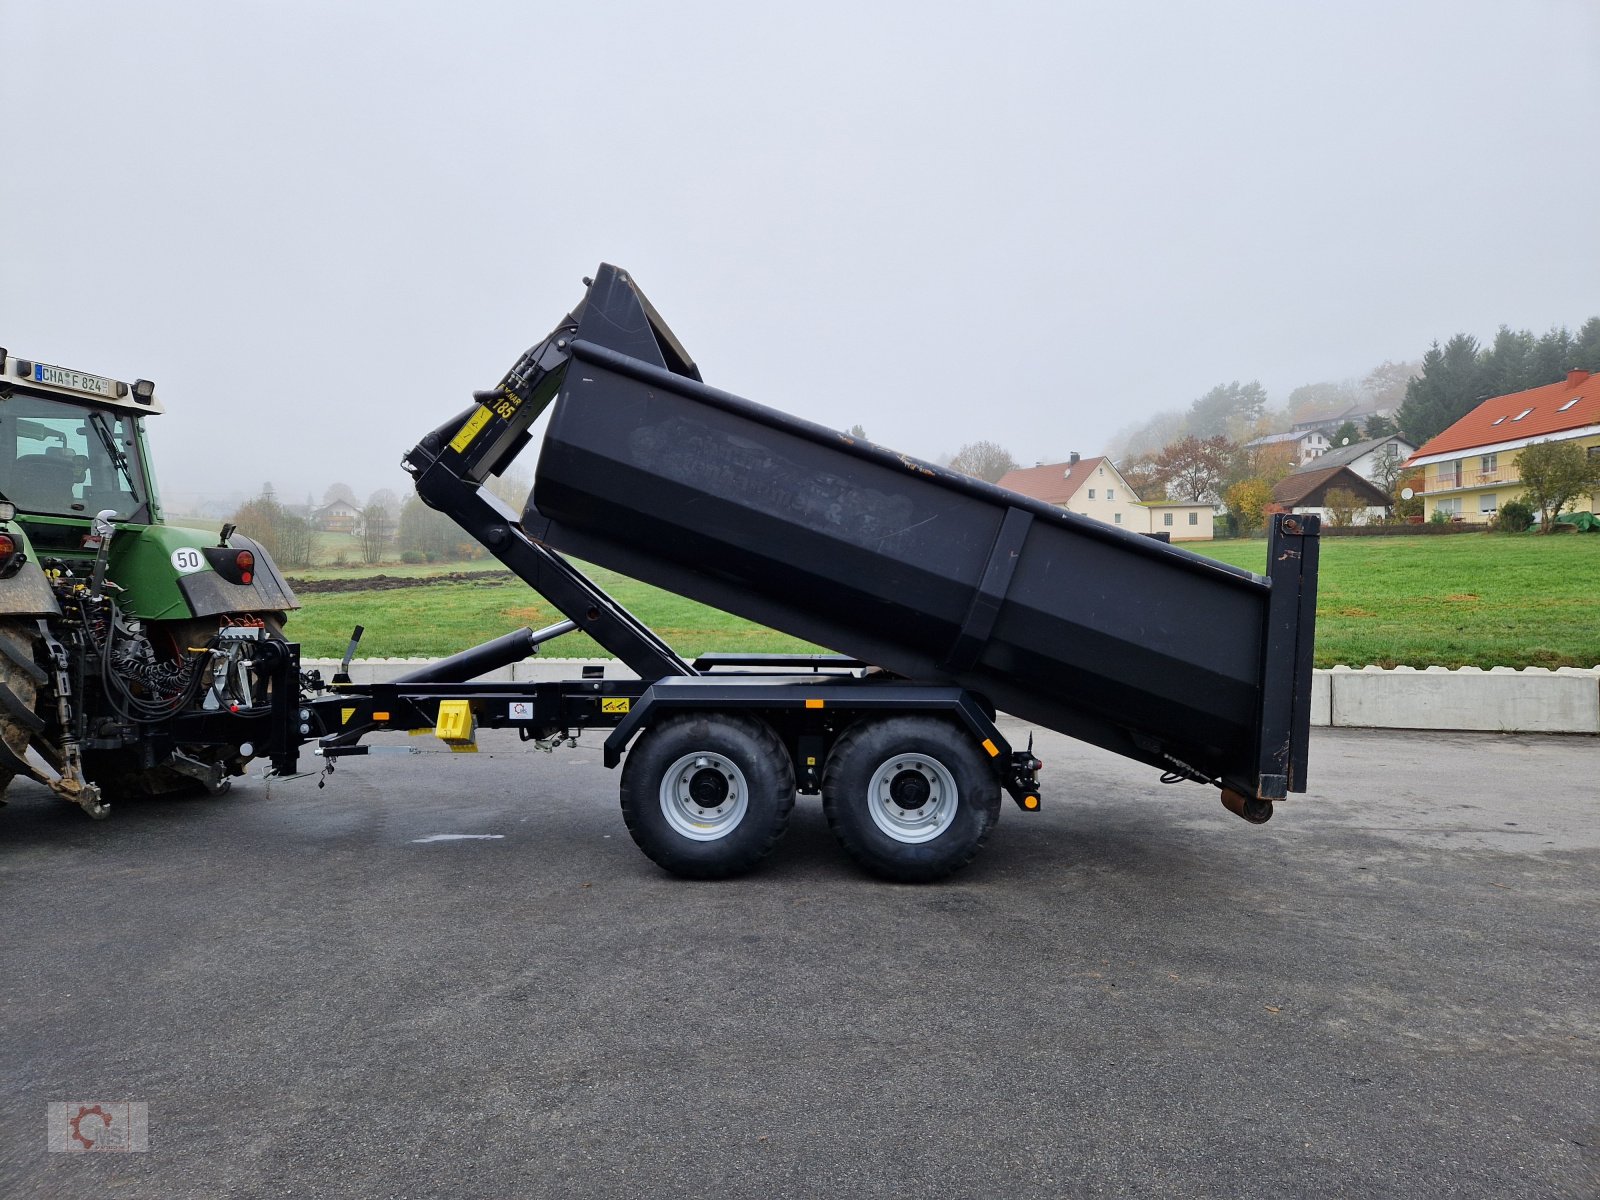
(1430, 529)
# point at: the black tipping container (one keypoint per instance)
(1111, 637)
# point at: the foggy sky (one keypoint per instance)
(318, 227)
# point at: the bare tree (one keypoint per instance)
(386, 499)
(1343, 505)
(1386, 467)
(983, 460)
(297, 541)
(377, 531)
(284, 536)
(262, 520)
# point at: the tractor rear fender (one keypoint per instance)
(24, 590)
(168, 572)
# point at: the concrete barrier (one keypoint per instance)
(1500, 700)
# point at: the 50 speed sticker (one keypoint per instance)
(186, 560)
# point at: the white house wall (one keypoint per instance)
(1106, 496)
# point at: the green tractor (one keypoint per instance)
(136, 657)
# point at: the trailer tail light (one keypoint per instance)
(246, 562)
(11, 556)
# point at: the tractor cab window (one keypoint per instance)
(69, 461)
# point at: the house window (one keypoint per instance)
(1194, 518)
(1450, 505)
(1486, 503)
(1522, 414)
(1497, 420)
(1117, 517)
(1166, 518)
(1488, 464)
(1594, 451)
(1569, 404)
(1111, 493)
(1091, 493)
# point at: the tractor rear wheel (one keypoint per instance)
(20, 694)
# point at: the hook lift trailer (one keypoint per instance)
(945, 597)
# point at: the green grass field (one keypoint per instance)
(1476, 599)
(439, 619)
(1468, 600)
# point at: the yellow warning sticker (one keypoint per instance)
(345, 714)
(615, 704)
(470, 430)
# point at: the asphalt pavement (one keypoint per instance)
(1389, 990)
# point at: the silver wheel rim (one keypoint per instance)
(912, 798)
(704, 796)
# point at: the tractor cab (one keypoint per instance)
(72, 444)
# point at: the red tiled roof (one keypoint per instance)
(1054, 483)
(1479, 428)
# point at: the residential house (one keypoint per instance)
(1302, 444)
(1093, 487)
(1306, 491)
(340, 516)
(1470, 469)
(1376, 460)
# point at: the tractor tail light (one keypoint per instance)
(233, 563)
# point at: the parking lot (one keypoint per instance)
(1388, 990)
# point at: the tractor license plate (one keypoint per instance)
(78, 381)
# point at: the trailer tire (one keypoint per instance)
(910, 798)
(707, 795)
